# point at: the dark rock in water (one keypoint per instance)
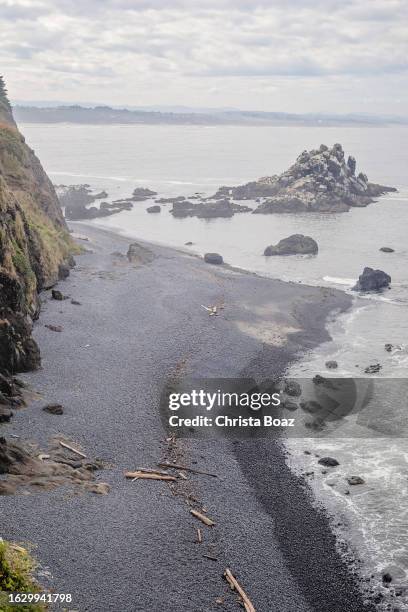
(355, 480)
(207, 210)
(387, 578)
(153, 209)
(63, 271)
(239, 208)
(54, 409)
(297, 244)
(387, 250)
(328, 461)
(292, 388)
(219, 208)
(76, 303)
(171, 200)
(321, 381)
(331, 364)
(372, 280)
(311, 406)
(213, 258)
(77, 198)
(388, 347)
(57, 295)
(189, 243)
(319, 181)
(139, 255)
(373, 369)
(290, 405)
(142, 193)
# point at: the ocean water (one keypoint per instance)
(182, 160)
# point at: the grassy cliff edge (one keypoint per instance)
(35, 246)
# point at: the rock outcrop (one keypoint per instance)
(208, 210)
(372, 280)
(141, 194)
(297, 244)
(34, 243)
(139, 255)
(76, 200)
(321, 180)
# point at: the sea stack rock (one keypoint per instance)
(297, 244)
(320, 180)
(372, 280)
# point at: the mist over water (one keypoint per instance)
(182, 160)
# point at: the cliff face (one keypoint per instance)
(34, 242)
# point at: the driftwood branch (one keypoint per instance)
(177, 466)
(139, 475)
(71, 448)
(201, 517)
(234, 584)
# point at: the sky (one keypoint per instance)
(335, 56)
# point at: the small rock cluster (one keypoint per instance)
(77, 198)
(207, 210)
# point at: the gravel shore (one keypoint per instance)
(135, 549)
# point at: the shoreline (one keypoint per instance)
(145, 322)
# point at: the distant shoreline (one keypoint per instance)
(105, 115)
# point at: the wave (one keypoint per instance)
(93, 176)
(337, 280)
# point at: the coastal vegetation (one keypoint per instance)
(16, 576)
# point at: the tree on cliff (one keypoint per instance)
(3, 92)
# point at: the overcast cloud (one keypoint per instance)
(293, 55)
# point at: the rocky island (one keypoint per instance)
(321, 180)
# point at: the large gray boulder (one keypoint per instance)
(297, 244)
(213, 258)
(372, 280)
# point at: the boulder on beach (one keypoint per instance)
(321, 180)
(213, 258)
(153, 209)
(387, 250)
(139, 255)
(57, 409)
(297, 244)
(372, 280)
